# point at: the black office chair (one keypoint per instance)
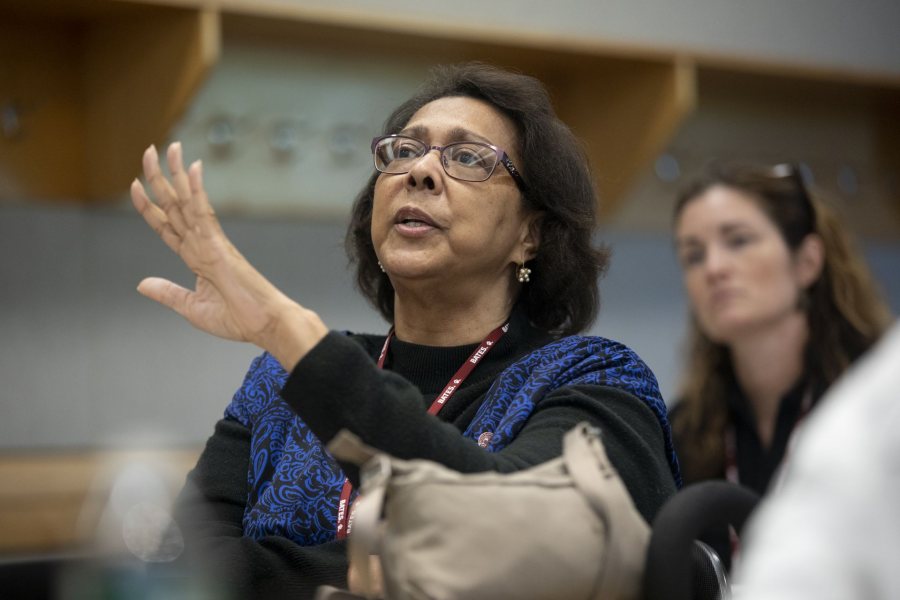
(679, 567)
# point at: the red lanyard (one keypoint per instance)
(345, 515)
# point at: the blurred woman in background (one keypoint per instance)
(781, 305)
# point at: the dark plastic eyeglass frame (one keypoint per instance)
(502, 158)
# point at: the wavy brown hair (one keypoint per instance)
(844, 308)
(562, 296)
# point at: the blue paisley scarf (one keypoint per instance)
(295, 485)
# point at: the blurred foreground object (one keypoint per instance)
(102, 524)
(832, 530)
(42, 494)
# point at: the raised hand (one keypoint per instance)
(230, 299)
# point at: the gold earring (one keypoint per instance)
(523, 274)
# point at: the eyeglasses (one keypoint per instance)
(792, 173)
(466, 161)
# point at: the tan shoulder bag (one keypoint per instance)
(563, 529)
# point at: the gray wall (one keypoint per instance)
(86, 361)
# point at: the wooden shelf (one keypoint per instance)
(139, 63)
(91, 85)
(95, 81)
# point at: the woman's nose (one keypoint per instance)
(716, 263)
(427, 173)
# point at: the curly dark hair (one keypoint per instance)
(562, 297)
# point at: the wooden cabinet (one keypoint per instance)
(85, 85)
(88, 85)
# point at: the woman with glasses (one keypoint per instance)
(473, 240)
(781, 305)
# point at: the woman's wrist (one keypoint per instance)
(292, 333)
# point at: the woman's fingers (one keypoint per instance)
(201, 210)
(154, 216)
(183, 215)
(180, 184)
(163, 191)
(193, 203)
(166, 293)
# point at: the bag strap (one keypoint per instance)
(375, 472)
(347, 447)
(592, 473)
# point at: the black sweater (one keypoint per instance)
(337, 385)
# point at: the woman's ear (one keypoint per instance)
(809, 260)
(531, 235)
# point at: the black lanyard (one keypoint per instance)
(732, 473)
